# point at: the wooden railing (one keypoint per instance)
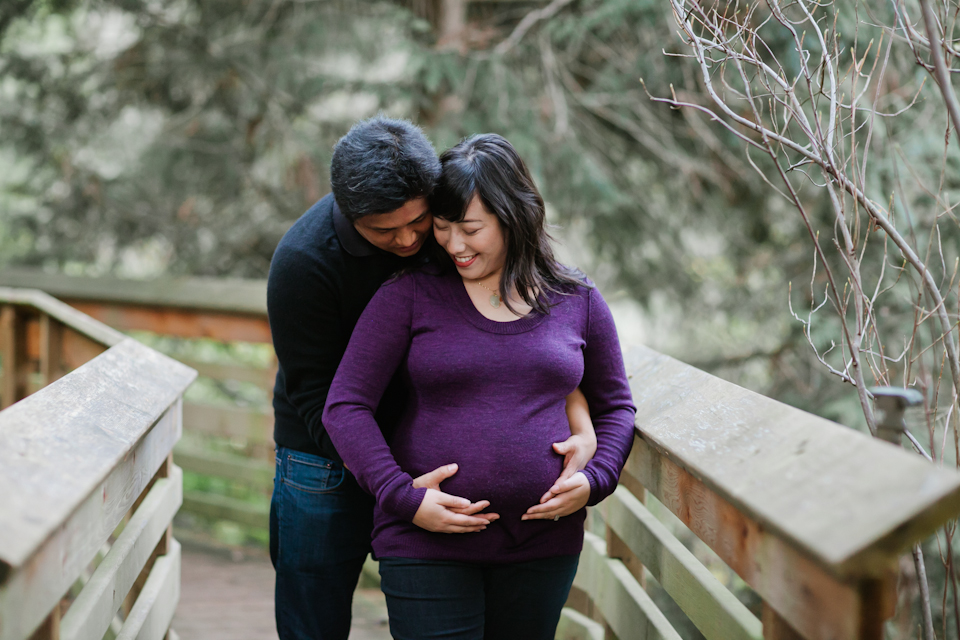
(87, 485)
(218, 309)
(808, 513)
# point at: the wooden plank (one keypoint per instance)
(848, 501)
(51, 349)
(248, 425)
(36, 584)
(30, 327)
(625, 606)
(257, 474)
(183, 323)
(576, 626)
(263, 377)
(64, 313)
(91, 613)
(15, 360)
(818, 604)
(151, 615)
(217, 507)
(709, 605)
(212, 294)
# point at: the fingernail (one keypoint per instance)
(451, 467)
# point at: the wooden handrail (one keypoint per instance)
(844, 499)
(76, 458)
(810, 514)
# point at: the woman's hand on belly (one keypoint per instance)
(441, 515)
(568, 496)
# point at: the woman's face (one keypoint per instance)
(475, 244)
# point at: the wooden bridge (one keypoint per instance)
(811, 515)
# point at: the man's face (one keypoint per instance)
(401, 231)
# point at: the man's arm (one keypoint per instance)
(303, 306)
(579, 448)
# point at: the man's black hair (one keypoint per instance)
(380, 165)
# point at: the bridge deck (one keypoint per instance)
(224, 599)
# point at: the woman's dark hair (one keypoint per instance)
(487, 166)
(380, 165)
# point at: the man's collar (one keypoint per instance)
(350, 239)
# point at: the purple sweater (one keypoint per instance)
(487, 395)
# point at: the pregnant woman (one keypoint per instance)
(490, 339)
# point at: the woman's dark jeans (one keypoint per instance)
(459, 601)
(320, 524)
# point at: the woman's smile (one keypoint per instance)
(465, 261)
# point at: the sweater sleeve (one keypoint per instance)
(607, 391)
(377, 348)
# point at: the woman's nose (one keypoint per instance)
(454, 243)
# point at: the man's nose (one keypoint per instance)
(406, 237)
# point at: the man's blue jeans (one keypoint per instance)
(320, 524)
(464, 601)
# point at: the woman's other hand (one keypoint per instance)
(566, 497)
(442, 513)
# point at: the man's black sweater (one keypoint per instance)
(322, 276)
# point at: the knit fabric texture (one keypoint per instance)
(487, 395)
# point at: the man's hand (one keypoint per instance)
(568, 497)
(439, 515)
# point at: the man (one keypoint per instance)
(324, 272)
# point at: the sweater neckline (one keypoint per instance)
(472, 315)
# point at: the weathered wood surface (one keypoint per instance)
(625, 606)
(822, 606)
(36, 585)
(84, 448)
(153, 611)
(844, 499)
(709, 604)
(91, 613)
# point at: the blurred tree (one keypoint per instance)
(142, 136)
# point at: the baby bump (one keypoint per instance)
(510, 468)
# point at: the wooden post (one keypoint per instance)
(13, 347)
(51, 349)
(878, 603)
